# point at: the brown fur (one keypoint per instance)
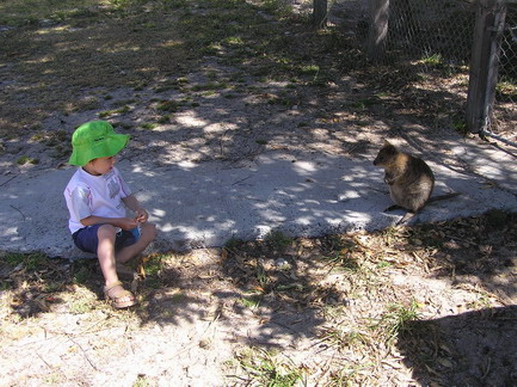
(410, 180)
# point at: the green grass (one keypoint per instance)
(251, 300)
(396, 319)
(433, 60)
(143, 45)
(149, 126)
(26, 160)
(82, 305)
(22, 12)
(109, 113)
(277, 240)
(169, 106)
(266, 368)
(30, 261)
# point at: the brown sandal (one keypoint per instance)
(118, 296)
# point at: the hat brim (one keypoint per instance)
(110, 146)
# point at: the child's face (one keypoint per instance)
(100, 166)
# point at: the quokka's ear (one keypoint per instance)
(387, 143)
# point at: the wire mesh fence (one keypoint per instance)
(439, 29)
(424, 35)
(504, 121)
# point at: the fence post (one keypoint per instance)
(379, 17)
(490, 17)
(319, 13)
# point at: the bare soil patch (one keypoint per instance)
(434, 304)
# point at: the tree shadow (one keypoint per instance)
(473, 348)
(481, 255)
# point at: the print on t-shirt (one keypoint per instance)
(113, 185)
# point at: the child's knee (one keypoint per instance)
(107, 231)
(149, 231)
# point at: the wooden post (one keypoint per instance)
(490, 18)
(379, 17)
(319, 13)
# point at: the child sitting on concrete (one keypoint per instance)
(97, 198)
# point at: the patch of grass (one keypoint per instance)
(149, 125)
(51, 138)
(143, 381)
(234, 41)
(433, 60)
(252, 299)
(310, 70)
(277, 240)
(169, 106)
(83, 274)
(396, 319)
(22, 12)
(506, 89)
(460, 124)
(113, 112)
(172, 84)
(210, 86)
(392, 234)
(26, 160)
(384, 264)
(164, 119)
(30, 261)
(53, 286)
(266, 368)
(153, 264)
(342, 337)
(280, 8)
(262, 276)
(57, 140)
(340, 251)
(350, 374)
(81, 306)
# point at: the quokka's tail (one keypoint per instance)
(443, 197)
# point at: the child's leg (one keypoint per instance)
(106, 253)
(113, 288)
(148, 233)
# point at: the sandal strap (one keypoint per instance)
(118, 283)
(119, 294)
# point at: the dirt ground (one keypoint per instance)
(434, 304)
(431, 305)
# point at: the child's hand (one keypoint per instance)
(127, 223)
(141, 215)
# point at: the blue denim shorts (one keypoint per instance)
(86, 239)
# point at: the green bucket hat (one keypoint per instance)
(95, 139)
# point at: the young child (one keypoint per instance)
(97, 197)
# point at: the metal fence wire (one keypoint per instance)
(504, 121)
(432, 31)
(442, 29)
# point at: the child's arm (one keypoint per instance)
(123, 223)
(134, 205)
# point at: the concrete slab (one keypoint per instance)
(202, 205)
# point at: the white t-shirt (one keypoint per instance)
(88, 195)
